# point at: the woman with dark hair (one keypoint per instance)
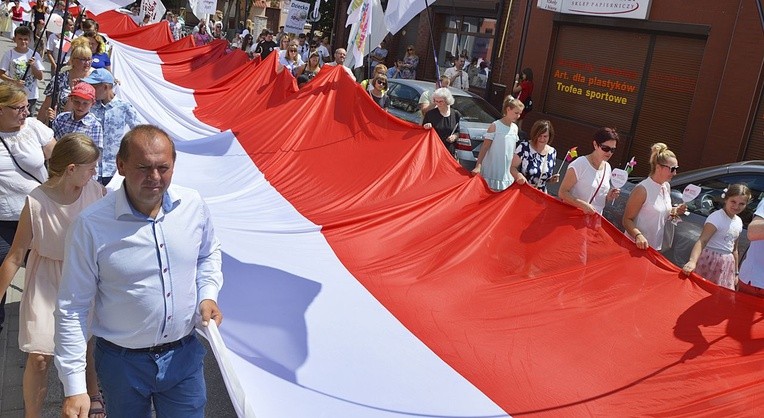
(246, 43)
(523, 89)
(40, 11)
(534, 160)
(311, 68)
(202, 37)
(649, 205)
(587, 182)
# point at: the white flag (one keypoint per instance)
(203, 8)
(154, 8)
(400, 12)
(99, 6)
(374, 34)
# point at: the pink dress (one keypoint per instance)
(50, 222)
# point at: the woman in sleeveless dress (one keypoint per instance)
(649, 205)
(587, 181)
(498, 148)
(49, 210)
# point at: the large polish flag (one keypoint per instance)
(368, 275)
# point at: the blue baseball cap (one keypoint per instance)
(98, 76)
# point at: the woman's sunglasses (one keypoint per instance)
(606, 148)
(673, 169)
(381, 83)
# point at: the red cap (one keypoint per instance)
(83, 90)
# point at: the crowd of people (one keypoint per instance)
(649, 215)
(81, 272)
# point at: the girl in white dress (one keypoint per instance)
(498, 148)
(715, 255)
(44, 221)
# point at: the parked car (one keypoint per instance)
(476, 113)
(712, 181)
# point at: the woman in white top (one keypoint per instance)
(289, 59)
(587, 181)
(649, 205)
(26, 144)
(715, 255)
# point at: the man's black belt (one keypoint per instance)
(157, 349)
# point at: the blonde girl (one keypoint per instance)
(715, 255)
(49, 210)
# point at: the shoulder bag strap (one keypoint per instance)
(598, 187)
(16, 162)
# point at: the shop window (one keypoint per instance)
(472, 38)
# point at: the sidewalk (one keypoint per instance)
(12, 360)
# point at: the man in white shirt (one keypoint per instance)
(145, 265)
(339, 60)
(458, 76)
(323, 51)
(752, 269)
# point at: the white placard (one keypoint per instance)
(154, 8)
(618, 178)
(203, 8)
(55, 24)
(298, 15)
(630, 9)
(690, 193)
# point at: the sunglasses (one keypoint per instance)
(606, 148)
(381, 83)
(673, 169)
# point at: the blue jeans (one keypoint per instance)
(173, 380)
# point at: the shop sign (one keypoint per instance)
(631, 9)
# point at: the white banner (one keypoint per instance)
(631, 9)
(99, 6)
(203, 8)
(154, 8)
(373, 38)
(298, 15)
(400, 12)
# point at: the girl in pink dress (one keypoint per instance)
(49, 210)
(715, 255)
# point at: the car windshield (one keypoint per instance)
(710, 198)
(475, 110)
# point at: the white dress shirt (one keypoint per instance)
(147, 277)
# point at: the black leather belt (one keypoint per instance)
(157, 349)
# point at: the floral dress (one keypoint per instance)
(410, 62)
(536, 168)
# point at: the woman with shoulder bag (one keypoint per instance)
(26, 144)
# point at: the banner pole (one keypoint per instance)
(432, 43)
